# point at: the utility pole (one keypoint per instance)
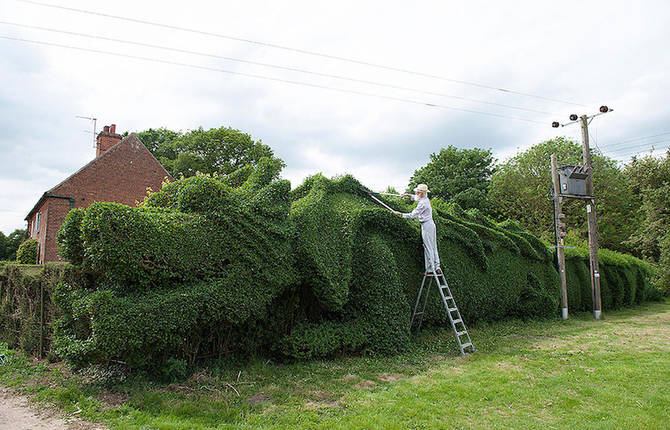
(591, 219)
(584, 121)
(559, 233)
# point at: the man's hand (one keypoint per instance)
(406, 195)
(397, 213)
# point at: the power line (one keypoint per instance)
(298, 50)
(642, 145)
(269, 78)
(636, 151)
(634, 139)
(630, 154)
(274, 66)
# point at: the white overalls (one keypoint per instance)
(424, 213)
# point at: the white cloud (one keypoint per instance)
(610, 52)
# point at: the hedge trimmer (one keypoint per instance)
(372, 193)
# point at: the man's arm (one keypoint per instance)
(418, 210)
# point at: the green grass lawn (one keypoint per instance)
(580, 373)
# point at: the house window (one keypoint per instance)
(37, 222)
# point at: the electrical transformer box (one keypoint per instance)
(572, 180)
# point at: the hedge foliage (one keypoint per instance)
(180, 275)
(27, 309)
(239, 263)
(27, 252)
(624, 280)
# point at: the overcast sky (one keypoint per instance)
(591, 53)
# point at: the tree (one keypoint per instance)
(9, 244)
(27, 252)
(457, 173)
(3, 246)
(650, 178)
(520, 190)
(217, 150)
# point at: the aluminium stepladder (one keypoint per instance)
(454, 315)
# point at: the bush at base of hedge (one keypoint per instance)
(27, 310)
(27, 252)
(624, 280)
(185, 274)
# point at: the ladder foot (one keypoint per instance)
(445, 294)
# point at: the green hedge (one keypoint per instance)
(184, 275)
(360, 267)
(27, 309)
(624, 280)
(240, 264)
(27, 252)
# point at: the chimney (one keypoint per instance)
(106, 139)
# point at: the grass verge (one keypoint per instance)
(613, 373)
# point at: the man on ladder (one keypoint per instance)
(424, 213)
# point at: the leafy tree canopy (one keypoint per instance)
(650, 179)
(520, 190)
(10, 243)
(3, 245)
(218, 150)
(454, 170)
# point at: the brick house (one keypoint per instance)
(121, 172)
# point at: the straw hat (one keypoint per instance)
(423, 188)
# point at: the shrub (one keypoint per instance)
(624, 280)
(204, 269)
(182, 275)
(27, 310)
(70, 245)
(27, 252)
(361, 268)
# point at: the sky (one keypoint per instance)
(460, 54)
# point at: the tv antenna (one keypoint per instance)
(95, 123)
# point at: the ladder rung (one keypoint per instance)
(446, 294)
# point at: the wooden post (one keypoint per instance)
(591, 217)
(560, 253)
(41, 319)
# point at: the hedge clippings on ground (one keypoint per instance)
(210, 266)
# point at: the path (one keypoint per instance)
(16, 413)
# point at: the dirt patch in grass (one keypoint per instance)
(320, 400)
(177, 388)
(258, 398)
(365, 384)
(322, 405)
(349, 377)
(508, 366)
(389, 377)
(112, 400)
(17, 413)
(320, 395)
(200, 377)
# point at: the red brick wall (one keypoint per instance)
(58, 209)
(39, 234)
(122, 175)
